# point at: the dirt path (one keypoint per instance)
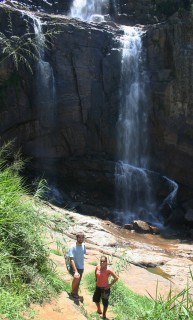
(64, 307)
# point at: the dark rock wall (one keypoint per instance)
(76, 143)
(82, 142)
(170, 60)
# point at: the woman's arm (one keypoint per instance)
(96, 274)
(115, 278)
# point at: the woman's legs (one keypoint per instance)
(96, 298)
(104, 311)
(98, 307)
(105, 301)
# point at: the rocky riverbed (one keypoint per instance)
(152, 258)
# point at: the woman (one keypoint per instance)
(102, 291)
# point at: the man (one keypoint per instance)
(76, 254)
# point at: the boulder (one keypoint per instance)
(141, 226)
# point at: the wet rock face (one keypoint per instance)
(169, 51)
(149, 11)
(128, 12)
(74, 140)
(49, 6)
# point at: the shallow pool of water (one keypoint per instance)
(158, 271)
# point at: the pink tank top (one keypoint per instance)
(102, 276)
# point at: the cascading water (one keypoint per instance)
(133, 186)
(173, 188)
(45, 88)
(45, 99)
(91, 10)
(135, 197)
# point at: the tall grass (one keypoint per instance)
(27, 275)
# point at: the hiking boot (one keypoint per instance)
(74, 295)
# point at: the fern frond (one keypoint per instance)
(14, 56)
(26, 63)
(10, 25)
(21, 48)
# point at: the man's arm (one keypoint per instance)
(76, 273)
(73, 264)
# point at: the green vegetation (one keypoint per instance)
(127, 305)
(27, 274)
(56, 252)
(93, 263)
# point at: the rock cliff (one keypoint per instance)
(69, 133)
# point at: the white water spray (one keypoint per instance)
(173, 187)
(45, 83)
(135, 197)
(133, 187)
(91, 10)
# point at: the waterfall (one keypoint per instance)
(173, 187)
(133, 115)
(135, 198)
(134, 193)
(45, 82)
(92, 10)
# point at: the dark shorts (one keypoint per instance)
(80, 271)
(101, 293)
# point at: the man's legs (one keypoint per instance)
(76, 282)
(75, 285)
